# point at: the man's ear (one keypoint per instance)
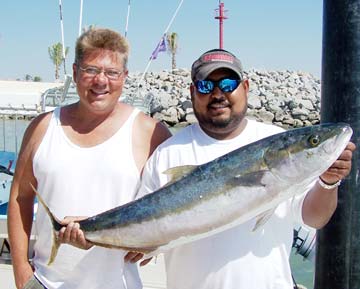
(246, 85)
(74, 72)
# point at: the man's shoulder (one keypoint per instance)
(40, 124)
(182, 137)
(179, 145)
(34, 134)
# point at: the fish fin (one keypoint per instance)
(144, 250)
(249, 179)
(176, 173)
(54, 248)
(56, 226)
(263, 218)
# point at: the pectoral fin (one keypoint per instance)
(263, 218)
(253, 179)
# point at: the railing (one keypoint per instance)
(139, 101)
(12, 121)
(59, 96)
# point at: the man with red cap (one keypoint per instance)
(237, 258)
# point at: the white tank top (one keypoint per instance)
(77, 181)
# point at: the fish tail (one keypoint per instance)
(56, 226)
(54, 248)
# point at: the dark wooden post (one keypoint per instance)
(338, 244)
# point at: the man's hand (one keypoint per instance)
(72, 234)
(23, 275)
(341, 167)
(133, 257)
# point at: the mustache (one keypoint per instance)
(221, 101)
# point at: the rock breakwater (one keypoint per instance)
(286, 98)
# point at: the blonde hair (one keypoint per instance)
(101, 38)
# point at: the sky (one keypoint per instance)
(264, 34)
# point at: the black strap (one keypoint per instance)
(294, 282)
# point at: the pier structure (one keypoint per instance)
(220, 15)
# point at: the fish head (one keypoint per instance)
(301, 155)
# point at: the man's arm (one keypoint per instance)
(320, 203)
(21, 203)
(148, 133)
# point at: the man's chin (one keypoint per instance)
(220, 122)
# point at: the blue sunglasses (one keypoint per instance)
(226, 85)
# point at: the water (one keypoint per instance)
(303, 270)
(11, 134)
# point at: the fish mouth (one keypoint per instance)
(347, 132)
(339, 141)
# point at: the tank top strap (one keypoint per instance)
(56, 115)
(125, 136)
(132, 116)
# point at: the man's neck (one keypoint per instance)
(223, 134)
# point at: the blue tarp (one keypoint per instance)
(3, 210)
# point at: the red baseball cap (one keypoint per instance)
(213, 60)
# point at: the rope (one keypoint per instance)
(164, 34)
(294, 282)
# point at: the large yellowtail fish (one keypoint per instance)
(203, 200)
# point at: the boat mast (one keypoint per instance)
(62, 36)
(80, 16)
(127, 20)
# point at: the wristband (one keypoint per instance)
(327, 186)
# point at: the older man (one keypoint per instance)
(83, 159)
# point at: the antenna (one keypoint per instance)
(220, 15)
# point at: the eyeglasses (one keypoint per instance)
(112, 74)
(226, 85)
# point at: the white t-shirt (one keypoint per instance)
(238, 258)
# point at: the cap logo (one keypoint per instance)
(218, 57)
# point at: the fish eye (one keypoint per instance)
(314, 140)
